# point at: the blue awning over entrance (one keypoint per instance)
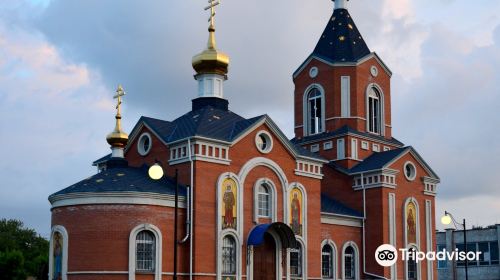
(285, 233)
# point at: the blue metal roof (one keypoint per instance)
(341, 40)
(212, 123)
(330, 205)
(123, 179)
(377, 161)
(101, 160)
(344, 130)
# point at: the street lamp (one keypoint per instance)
(155, 172)
(447, 219)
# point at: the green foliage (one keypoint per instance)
(22, 251)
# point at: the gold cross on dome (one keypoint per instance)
(119, 93)
(211, 6)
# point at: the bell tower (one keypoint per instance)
(343, 89)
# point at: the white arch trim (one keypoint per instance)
(382, 107)
(329, 242)
(356, 259)
(417, 221)
(419, 270)
(132, 254)
(274, 199)
(261, 161)
(305, 104)
(234, 235)
(64, 269)
(239, 203)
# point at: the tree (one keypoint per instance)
(22, 251)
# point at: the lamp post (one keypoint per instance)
(155, 172)
(447, 219)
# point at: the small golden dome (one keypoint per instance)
(211, 61)
(118, 138)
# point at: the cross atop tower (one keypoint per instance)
(119, 93)
(211, 6)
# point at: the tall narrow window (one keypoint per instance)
(264, 201)
(228, 256)
(145, 251)
(374, 111)
(327, 262)
(314, 111)
(296, 262)
(412, 267)
(349, 263)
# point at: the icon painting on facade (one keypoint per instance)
(295, 211)
(229, 203)
(57, 254)
(411, 222)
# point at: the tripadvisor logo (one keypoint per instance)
(387, 255)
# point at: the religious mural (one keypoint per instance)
(229, 203)
(296, 205)
(411, 222)
(57, 256)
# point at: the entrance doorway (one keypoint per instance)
(264, 259)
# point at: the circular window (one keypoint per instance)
(264, 142)
(313, 72)
(144, 144)
(374, 71)
(410, 171)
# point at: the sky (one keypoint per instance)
(61, 61)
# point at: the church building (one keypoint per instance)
(215, 195)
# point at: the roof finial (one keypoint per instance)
(211, 28)
(118, 138)
(340, 4)
(211, 65)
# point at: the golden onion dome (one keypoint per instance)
(118, 138)
(211, 61)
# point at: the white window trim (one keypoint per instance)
(64, 269)
(329, 242)
(273, 200)
(132, 250)
(249, 166)
(303, 260)
(222, 235)
(345, 90)
(382, 109)
(140, 149)
(410, 178)
(356, 258)
(305, 104)
(365, 145)
(340, 147)
(419, 271)
(328, 143)
(267, 135)
(354, 149)
(314, 148)
(376, 148)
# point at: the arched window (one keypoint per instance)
(349, 263)
(296, 262)
(374, 111)
(228, 257)
(264, 201)
(412, 266)
(327, 259)
(145, 251)
(314, 111)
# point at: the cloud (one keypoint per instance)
(51, 122)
